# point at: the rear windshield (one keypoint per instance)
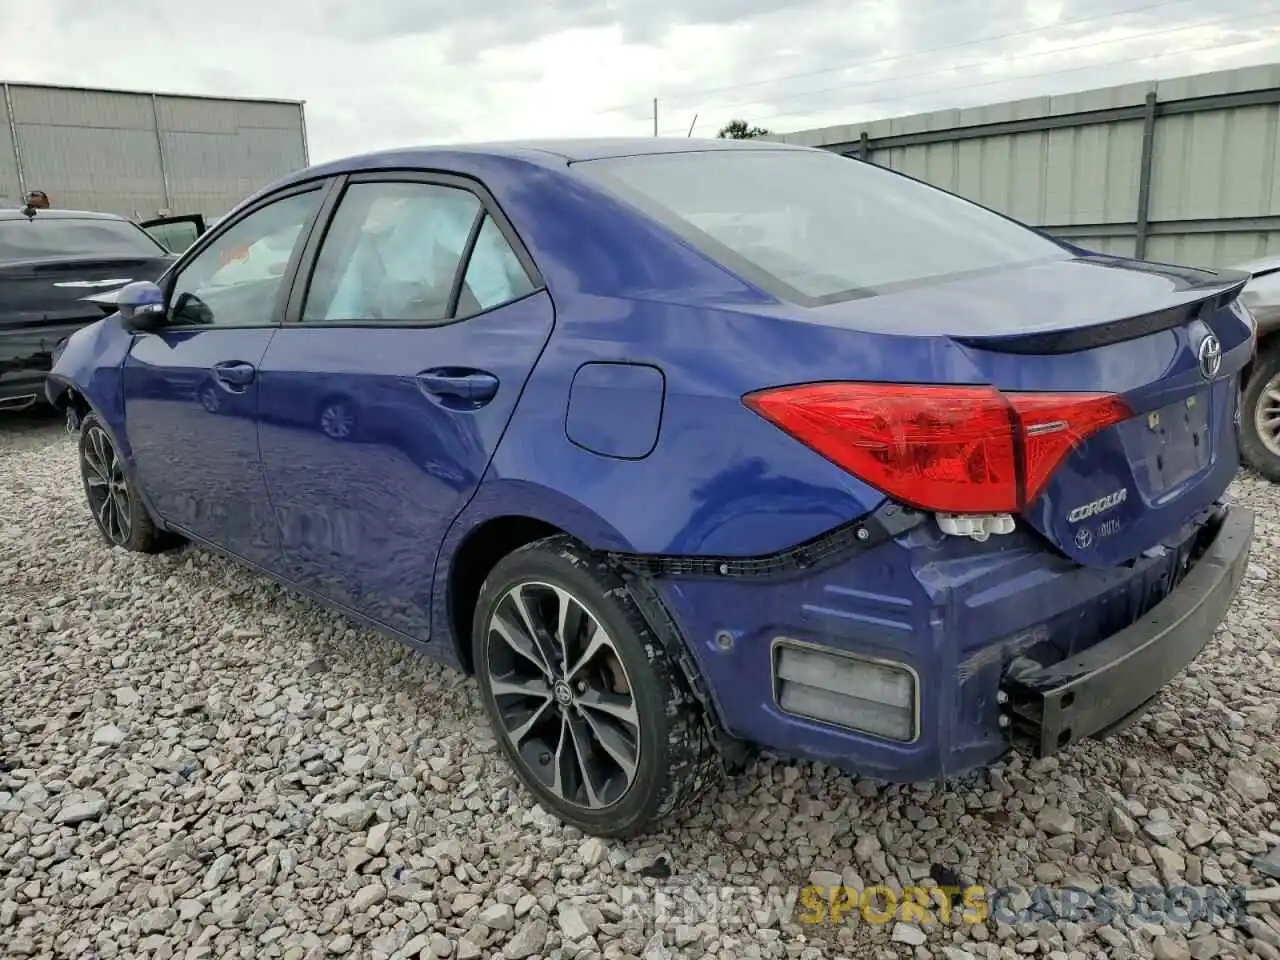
(812, 225)
(48, 237)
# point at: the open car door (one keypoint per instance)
(175, 234)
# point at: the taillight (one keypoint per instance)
(950, 449)
(1051, 425)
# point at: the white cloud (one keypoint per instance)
(391, 72)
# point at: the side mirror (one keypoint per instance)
(141, 305)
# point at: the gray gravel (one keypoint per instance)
(194, 763)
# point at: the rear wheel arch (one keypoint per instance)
(504, 515)
(472, 562)
(495, 538)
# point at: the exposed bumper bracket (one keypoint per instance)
(887, 521)
(1107, 686)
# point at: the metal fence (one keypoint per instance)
(143, 154)
(1183, 170)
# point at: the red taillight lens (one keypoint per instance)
(951, 449)
(1054, 424)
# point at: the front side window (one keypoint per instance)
(47, 237)
(815, 225)
(392, 253)
(236, 280)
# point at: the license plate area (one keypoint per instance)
(1169, 446)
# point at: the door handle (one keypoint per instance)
(473, 385)
(235, 373)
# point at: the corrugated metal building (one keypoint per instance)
(143, 154)
(1183, 170)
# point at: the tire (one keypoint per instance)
(630, 676)
(1260, 401)
(120, 516)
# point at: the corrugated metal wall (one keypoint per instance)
(1182, 170)
(139, 154)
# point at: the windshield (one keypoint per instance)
(43, 237)
(813, 225)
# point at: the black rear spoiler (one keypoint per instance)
(1226, 287)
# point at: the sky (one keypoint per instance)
(385, 73)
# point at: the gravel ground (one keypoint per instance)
(193, 763)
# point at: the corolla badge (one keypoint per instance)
(1101, 505)
(1210, 357)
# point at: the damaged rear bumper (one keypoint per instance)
(1112, 682)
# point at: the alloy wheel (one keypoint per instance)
(106, 486)
(1266, 416)
(563, 696)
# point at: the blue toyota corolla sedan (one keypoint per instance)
(686, 448)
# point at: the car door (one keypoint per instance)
(191, 390)
(175, 234)
(387, 388)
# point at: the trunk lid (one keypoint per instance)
(1170, 341)
(51, 292)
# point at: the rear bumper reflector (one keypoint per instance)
(1109, 684)
(877, 697)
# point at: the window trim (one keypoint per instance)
(303, 278)
(464, 262)
(323, 186)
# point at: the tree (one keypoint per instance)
(738, 130)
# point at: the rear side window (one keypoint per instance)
(42, 237)
(815, 226)
(494, 275)
(394, 251)
(391, 253)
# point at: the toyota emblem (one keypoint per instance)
(1210, 357)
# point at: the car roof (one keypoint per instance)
(599, 148)
(17, 214)
(562, 150)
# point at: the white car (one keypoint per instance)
(1260, 398)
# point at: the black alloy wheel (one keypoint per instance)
(588, 701)
(563, 695)
(105, 485)
(119, 514)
